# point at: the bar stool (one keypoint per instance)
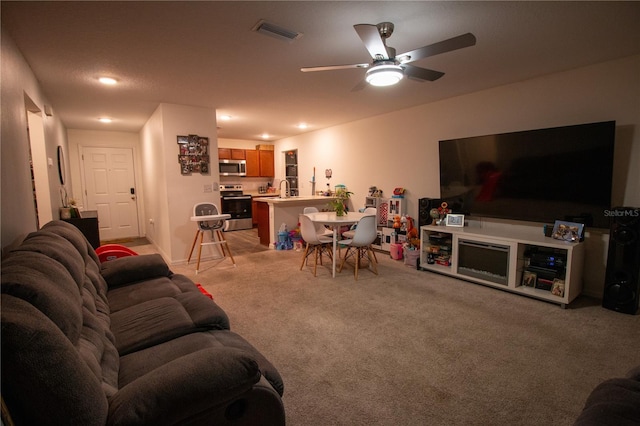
(214, 226)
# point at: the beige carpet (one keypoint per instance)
(410, 347)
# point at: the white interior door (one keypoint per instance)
(110, 189)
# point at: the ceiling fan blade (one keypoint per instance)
(418, 73)
(455, 43)
(333, 67)
(370, 36)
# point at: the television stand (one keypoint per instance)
(519, 262)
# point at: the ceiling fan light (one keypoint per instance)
(384, 75)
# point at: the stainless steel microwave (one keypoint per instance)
(232, 167)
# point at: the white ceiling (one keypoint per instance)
(203, 53)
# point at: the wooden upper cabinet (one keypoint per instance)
(231, 154)
(253, 163)
(224, 153)
(267, 168)
(238, 154)
(259, 163)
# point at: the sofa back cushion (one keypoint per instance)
(56, 273)
(44, 381)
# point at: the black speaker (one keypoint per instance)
(424, 207)
(622, 281)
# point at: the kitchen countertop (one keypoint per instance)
(256, 194)
(292, 200)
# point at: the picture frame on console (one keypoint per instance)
(568, 231)
(454, 220)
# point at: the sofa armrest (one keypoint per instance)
(185, 387)
(131, 269)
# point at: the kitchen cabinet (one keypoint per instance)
(267, 168)
(259, 163)
(231, 154)
(254, 207)
(254, 213)
(264, 235)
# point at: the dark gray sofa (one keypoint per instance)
(123, 343)
(614, 402)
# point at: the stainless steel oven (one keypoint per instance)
(238, 205)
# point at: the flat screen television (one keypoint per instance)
(543, 175)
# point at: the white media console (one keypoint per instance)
(509, 259)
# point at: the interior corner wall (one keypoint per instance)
(400, 149)
(18, 83)
(170, 196)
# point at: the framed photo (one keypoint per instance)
(568, 231)
(454, 220)
(529, 279)
(558, 287)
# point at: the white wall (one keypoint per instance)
(400, 149)
(170, 196)
(19, 91)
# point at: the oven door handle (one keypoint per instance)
(236, 197)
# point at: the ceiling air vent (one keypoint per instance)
(272, 30)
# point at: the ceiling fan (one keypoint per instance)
(387, 68)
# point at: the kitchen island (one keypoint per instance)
(272, 212)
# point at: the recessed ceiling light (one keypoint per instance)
(225, 117)
(108, 81)
(302, 126)
(105, 120)
(265, 136)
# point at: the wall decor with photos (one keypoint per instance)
(194, 154)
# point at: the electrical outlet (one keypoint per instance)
(208, 187)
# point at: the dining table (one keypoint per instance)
(335, 222)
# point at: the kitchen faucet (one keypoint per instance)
(287, 189)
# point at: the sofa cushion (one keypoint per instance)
(80, 313)
(149, 323)
(614, 402)
(38, 360)
(132, 269)
(75, 237)
(140, 363)
(158, 320)
(184, 389)
(133, 294)
(47, 285)
(58, 249)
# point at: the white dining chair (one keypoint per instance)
(350, 233)
(315, 243)
(213, 226)
(359, 247)
(320, 228)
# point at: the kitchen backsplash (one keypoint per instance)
(248, 183)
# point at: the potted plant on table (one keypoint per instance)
(339, 203)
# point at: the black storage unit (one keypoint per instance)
(88, 225)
